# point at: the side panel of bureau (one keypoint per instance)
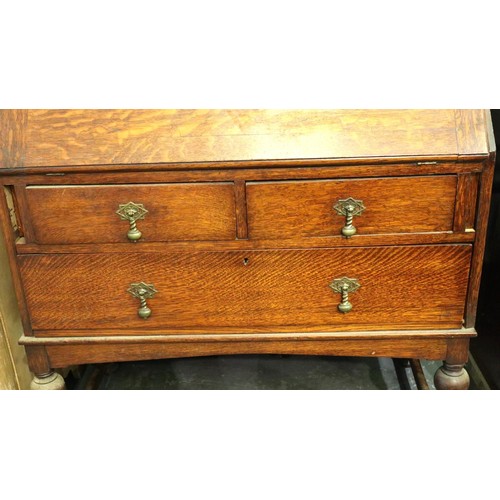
(282, 290)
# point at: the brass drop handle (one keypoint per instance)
(132, 212)
(348, 208)
(344, 286)
(142, 291)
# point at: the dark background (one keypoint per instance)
(485, 348)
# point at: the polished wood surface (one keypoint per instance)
(8, 239)
(392, 205)
(465, 205)
(241, 241)
(246, 290)
(13, 132)
(256, 170)
(473, 131)
(285, 243)
(61, 356)
(483, 211)
(71, 337)
(176, 212)
(94, 137)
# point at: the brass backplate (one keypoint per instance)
(131, 211)
(344, 284)
(142, 290)
(357, 207)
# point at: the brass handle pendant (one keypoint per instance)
(142, 291)
(132, 212)
(349, 208)
(344, 286)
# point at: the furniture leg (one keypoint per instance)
(45, 378)
(51, 381)
(452, 375)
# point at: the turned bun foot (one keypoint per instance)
(53, 381)
(451, 377)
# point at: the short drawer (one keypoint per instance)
(303, 209)
(285, 290)
(160, 212)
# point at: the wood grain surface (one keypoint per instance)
(393, 205)
(221, 246)
(176, 212)
(401, 287)
(62, 356)
(466, 202)
(472, 130)
(71, 337)
(243, 247)
(483, 211)
(232, 171)
(92, 137)
(10, 275)
(13, 131)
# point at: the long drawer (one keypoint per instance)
(305, 209)
(262, 290)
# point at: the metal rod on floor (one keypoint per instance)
(401, 365)
(418, 373)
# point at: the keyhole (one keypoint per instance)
(246, 261)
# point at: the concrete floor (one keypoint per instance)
(262, 372)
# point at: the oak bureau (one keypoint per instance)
(146, 234)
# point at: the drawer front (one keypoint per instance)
(285, 290)
(304, 209)
(87, 214)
